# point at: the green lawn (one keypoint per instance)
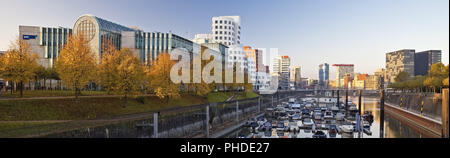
(85, 108)
(219, 96)
(17, 129)
(50, 93)
(246, 95)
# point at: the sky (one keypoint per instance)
(311, 32)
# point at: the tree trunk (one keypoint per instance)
(51, 84)
(76, 93)
(45, 86)
(21, 89)
(124, 105)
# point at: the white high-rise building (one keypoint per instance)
(281, 65)
(344, 71)
(236, 54)
(226, 30)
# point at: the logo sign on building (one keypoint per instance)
(27, 37)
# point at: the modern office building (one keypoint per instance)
(344, 73)
(424, 60)
(324, 70)
(226, 30)
(203, 38)
(46, 42)
(372, 82)
(284, 71)
(276, 65)
(380, 72)
(255, 64)
(297, 77)
(257, 56)
(236, 55)
(100, 32)
(359, 82)
(399, 61)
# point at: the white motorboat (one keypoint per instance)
(334, 108)
(280, 126)
(347, 128)
(296, 117)
(328, 115)
(292, 100)
(294, 126)
(340, 116)
(317, 115)
(307, 122)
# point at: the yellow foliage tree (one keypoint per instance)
(76, 64)
(159, 78)
(19, 63)
(202, 89)
(121, 72)
(107, 72)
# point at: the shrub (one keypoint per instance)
(141, 99)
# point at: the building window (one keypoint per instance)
(220, 27)
(87, 28)
(216, 32)
(221, 21)
(216, 26)
(216, 21)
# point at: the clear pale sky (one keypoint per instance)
(312, 32)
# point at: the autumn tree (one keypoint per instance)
(52, 75)
(402, 77)
(416, 83)
(121, 72)
(436, 75)
(76, 64)
(159, 78)
(19, 63)
(107, 74)
(41, 74)
(200, 87)
(445, 82)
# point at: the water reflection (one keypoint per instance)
(394, 127)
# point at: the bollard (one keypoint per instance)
(421, 108)
(259, 104)
(207, 121)
(359, 102)
(346, 100)
(155, 125)
(107, 132)
(445, 113)
(401, 102)
(338, 98)
(272, 100)
(382, 113)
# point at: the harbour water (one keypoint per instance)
(393, 127)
